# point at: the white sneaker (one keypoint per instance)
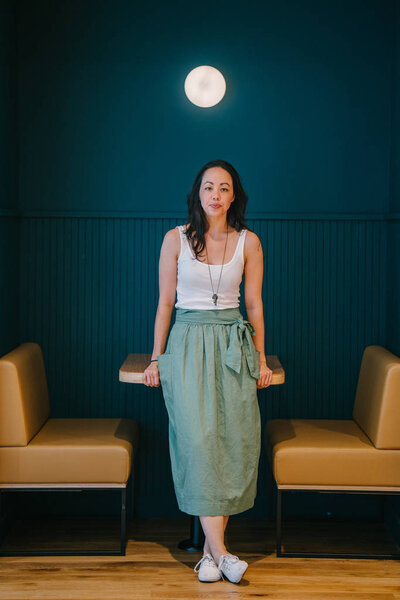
(207, 569)
(233, 568)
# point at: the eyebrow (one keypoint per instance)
(224, 183)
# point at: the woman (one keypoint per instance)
(214, 360)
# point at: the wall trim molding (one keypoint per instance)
(81, 214)
(294, 216)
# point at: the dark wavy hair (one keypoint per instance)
(198, 224)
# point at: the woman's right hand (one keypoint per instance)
(151, 375)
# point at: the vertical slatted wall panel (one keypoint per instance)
(89, 294)
(9, 281)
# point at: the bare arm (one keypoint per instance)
(167, 293)
(253, 272)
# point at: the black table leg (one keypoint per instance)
(196, 541)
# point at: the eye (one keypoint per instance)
(207, 187)
(224, 189)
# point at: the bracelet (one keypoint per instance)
(154, 360)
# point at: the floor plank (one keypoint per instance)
(154, 568)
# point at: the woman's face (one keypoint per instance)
(216, 191)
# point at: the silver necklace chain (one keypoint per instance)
(215, 294)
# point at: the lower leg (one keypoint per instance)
(214, 529)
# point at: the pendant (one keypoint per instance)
(215, 298)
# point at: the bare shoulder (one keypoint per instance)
(252, 244)
(171, 242)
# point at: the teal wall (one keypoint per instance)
(8, 107)
(395, 118)
(106, 145)
(105, 124)
(9, 222)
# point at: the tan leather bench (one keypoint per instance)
(358, 456)
(39, 453)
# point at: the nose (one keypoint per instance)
(216, 195)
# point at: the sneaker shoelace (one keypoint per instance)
(204, 559)
(229, 560)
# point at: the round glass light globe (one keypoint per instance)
(205, 86)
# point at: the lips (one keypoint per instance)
(215, 205)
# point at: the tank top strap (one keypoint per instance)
(183, 238)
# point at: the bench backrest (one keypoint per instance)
(377, 403)
(24, 398)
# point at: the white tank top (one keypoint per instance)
(194, 289)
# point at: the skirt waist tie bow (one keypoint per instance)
(240, 340)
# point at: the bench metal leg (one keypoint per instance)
(281, 553)
(123, 522)
(119, 552)
(278, 522)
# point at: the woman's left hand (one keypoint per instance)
(265, 375)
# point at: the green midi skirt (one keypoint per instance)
(209, 375)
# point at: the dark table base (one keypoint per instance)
(196, 540)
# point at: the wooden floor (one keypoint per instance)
(154, 568)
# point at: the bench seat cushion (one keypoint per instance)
(73, 451)
(328, 452)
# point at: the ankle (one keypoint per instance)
(217, 555)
